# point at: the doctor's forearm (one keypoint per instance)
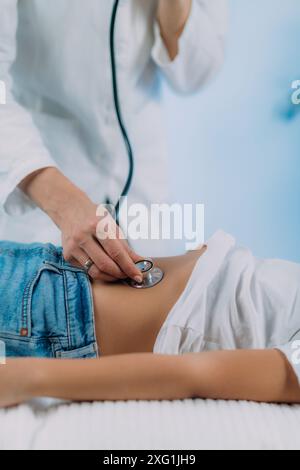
(52, 192)
(172, 16)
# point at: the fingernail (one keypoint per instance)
(138, 279)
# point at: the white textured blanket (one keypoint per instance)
(154, 425)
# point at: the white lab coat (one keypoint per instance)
(55, 62)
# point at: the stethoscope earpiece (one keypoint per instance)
(151, 275)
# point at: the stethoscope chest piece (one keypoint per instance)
(151, 275)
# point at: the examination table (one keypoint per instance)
(186, 425)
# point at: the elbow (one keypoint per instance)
(204, 73)
(202, 369)
(213, 66)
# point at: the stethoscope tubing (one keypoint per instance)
(117, 105)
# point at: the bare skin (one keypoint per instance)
(127, 323)
(172, 17)
(261, 376)
(75, 215)
(128, 320)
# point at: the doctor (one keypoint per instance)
(61, 151)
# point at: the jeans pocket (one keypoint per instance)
(27, 347)
(44, 305)
(86, 352)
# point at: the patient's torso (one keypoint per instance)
(128, 320)
(220, 298)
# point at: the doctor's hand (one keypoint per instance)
(85, 236)
(89, 232)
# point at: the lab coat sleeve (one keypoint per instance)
(201, 47)
(22, 150)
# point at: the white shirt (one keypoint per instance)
(235, 301)
(55, 62)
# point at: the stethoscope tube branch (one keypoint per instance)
(118, 109)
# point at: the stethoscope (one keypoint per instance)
(151, 275)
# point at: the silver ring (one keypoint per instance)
(87, 265)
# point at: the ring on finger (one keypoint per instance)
(87, 265)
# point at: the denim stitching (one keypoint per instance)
(27, 298)
(67, 309)
(63, 266)
(56, 346)
(37, 250)
(40, 339)
(93, 319)
(24, 320)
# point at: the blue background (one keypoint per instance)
(236, 145)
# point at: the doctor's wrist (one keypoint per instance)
(62, 205)
(53, 192)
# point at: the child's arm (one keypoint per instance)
(262, 376)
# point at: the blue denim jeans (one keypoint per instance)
(46, 304)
